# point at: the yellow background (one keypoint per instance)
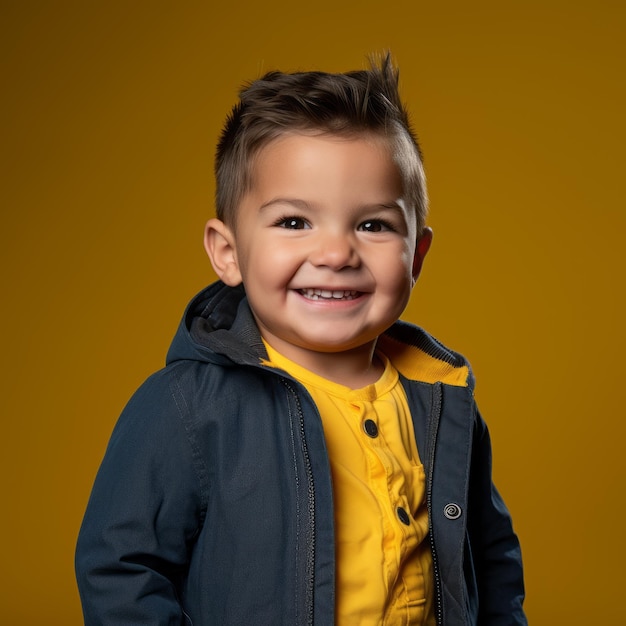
(110, 113)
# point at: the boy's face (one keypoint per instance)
(323, 243)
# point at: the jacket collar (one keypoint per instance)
(218, 326)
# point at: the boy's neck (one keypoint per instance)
(354, 368)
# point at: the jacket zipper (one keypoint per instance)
(310, 530)
(435, 414)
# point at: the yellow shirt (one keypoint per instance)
(384, 565)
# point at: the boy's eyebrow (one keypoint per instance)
(299, 204)
(392, 206)
(304, 205)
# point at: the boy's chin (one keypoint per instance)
(337, 346)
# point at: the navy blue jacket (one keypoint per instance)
(214, 504)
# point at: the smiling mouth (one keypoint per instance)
(328, 294)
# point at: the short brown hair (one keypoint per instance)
(366, 101)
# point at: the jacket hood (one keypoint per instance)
(218, 327)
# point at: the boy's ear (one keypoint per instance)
(421, 249)
(219, 243)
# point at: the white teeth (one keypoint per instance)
(327, 294)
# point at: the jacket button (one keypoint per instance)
(452, 511)
(370, 428)
(403, 516)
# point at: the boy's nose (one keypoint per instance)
(334, 251)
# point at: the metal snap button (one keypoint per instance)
(452, 511)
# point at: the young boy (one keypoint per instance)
(304, 457)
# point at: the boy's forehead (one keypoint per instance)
(265, 157)
(386, 143)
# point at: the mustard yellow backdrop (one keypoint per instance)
(110, 113)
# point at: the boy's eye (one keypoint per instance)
(293, 223)
(375, 226)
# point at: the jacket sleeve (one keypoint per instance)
(496, 553)
(143, 515)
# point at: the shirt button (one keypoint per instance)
(403, 516)
(370, 428)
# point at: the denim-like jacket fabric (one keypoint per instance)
(213, 504)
